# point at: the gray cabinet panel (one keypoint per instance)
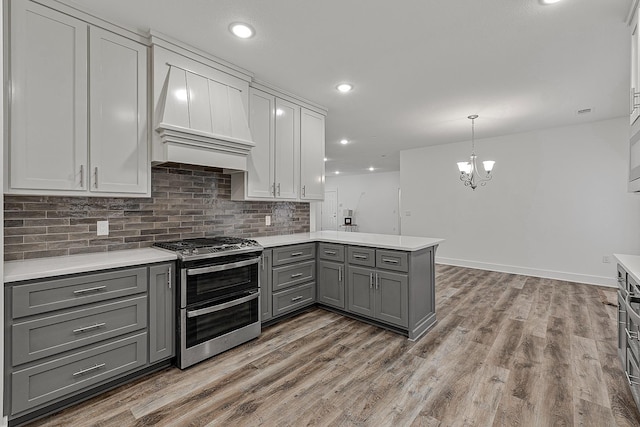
(631, 368)
(361, 256)
(360, 291)
(161, 312)
(294, 274)
(50, 295)
(294, 298)
(622, 335)
(392, 260)
(392, 298)
(331, 252)
(294, 253)
(60, 377)
(265, 285)
(331, 278)
(46, 336)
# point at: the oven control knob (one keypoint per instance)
(185, 251)
(195, 251)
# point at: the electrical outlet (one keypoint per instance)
(267, 220)
(606, 259)
(103, 228)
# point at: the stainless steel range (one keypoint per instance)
(218, 295)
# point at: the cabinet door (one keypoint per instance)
(48, 136)
(392, 298)
(622, 335)
(311, 155)
(331, 283)
(360, 290)
(260, 174)
(287, 149)
(118, 114)
(634, 101)
(265, 285)
(161, 312)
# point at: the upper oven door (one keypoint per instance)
(216, 278)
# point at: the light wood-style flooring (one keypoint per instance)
(507, 350)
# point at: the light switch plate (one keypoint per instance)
(103, 228)
(267, 220)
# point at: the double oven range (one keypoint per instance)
(218, 295)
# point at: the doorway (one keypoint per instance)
(329, 211)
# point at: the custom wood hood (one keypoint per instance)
(200, 108)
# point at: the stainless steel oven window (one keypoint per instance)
(200, 284)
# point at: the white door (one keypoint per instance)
(311, 155)
(287, 151)
(260, 174)
(48, 141)
(330, 211)
(118, 88)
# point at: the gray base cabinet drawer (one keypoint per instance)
(392, 260)
(293, 298)
(294, 253)
(294, 274)
(331, 252)
(633, 377)
(49, 335)
(361, 256)
(58, 378)
(45, 296)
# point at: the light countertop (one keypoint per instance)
(631, 263)
(15, 271)
(384, 241)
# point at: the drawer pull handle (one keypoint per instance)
(293, 276)
(632, 335)
(298, 298)
(296, 253)
(371, 280)
(88, 328)
(89, 290)
(91, 369)
(356, 256)
(390, 261)
(632, 379)
(330, 252)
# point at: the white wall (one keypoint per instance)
(373, 197)
(557, 204)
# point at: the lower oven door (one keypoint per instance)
(207, 330)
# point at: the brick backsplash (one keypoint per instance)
(186, 201)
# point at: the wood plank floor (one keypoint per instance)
(507, 350)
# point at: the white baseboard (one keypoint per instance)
(546, 274)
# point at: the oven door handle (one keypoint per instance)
(201, 312)
(214, 268)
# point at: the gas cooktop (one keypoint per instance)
(208, 247)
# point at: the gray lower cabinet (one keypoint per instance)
(265, 285)
(68, 336)
(381, 295)
(161, 312)
(292, 273)
(331, 289)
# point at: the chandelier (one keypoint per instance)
(469, 172)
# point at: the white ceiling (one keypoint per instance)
(419, 67)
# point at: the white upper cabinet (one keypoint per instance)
(78, 107)
(118, 112)
(260, 164)
(634, 96)
(287, 149)
(48, 99)
(287, 162)
(311, 155)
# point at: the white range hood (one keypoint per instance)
(200, 111)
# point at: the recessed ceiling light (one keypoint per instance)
(337, 172)
(344, 141)
(549, 1)
(371, 169)
(325, 159)
(279, 112)
(244, 31)
(344, 87)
